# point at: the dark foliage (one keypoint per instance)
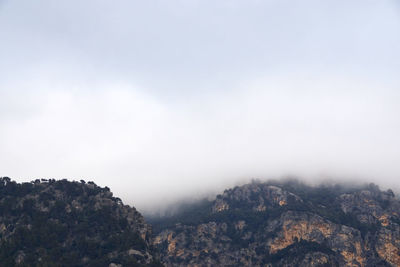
(45, 227)
(297, 251)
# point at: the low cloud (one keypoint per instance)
(148, 150)
(162, 100)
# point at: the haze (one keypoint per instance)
(162, 100)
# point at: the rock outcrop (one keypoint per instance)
(286, 224)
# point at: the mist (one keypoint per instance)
(167, 100)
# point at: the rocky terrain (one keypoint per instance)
(62, 223)
(285, 224)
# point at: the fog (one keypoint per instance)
(166, 100)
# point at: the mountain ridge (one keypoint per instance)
(272, 223)
(284, 223)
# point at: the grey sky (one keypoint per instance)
(173, 98)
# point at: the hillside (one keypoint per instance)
(285, 224)
(62, 223)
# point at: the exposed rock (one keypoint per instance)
(287, 224)
(388, 245)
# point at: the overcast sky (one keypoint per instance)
(167, 99)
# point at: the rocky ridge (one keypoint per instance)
(285, 224)
(62, 223)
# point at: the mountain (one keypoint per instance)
(275, 223)
(62, 223)
(284, 224)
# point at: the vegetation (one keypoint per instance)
(297, 251)
(61, 223)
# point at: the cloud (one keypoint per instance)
(160, 100)
(147, 149)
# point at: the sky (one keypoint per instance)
(165, 100)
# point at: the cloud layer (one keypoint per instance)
(175, 98)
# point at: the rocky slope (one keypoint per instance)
(285, 224)
(61, 223)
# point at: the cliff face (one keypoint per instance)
(61, 223)
(286, 224)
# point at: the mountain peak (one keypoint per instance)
(286, 224)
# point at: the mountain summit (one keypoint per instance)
(285, 224)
